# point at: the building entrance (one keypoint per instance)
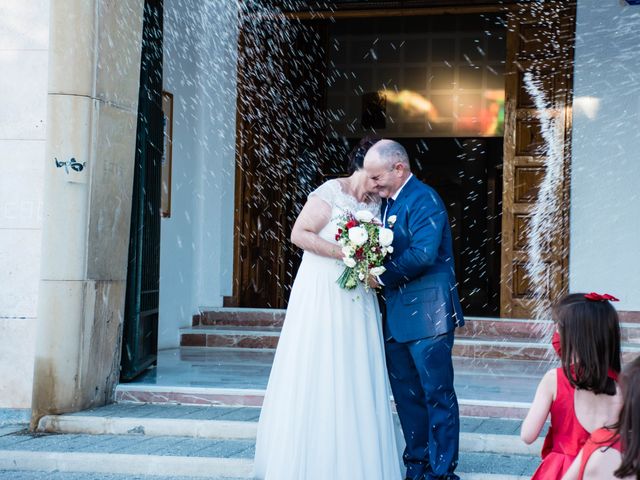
(433, 83)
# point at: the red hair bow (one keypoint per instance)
(596, 297)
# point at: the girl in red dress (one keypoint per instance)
(614, 453)
(582, 394)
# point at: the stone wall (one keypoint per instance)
(24, 43)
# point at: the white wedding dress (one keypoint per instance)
(326, 413)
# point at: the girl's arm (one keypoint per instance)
(574, 469)
(540, 407)
(315, 214)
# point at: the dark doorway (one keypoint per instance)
(140, 336)
(435, 83)
(467, 174)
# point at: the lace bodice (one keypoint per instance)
(341, 202)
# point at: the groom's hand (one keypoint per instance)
(373, 282)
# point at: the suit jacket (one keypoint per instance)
(419, 283)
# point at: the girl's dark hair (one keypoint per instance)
(356, 157)
(590, 341)
(629, 425)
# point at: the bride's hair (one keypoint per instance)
(629, 424)
(356, 157)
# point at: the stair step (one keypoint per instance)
(499, 328)
(478, 346)
(166, 441)
(63, 475)
(41, 456)
(240, 423)
(240, 316)
(486, 387)
(210, 396)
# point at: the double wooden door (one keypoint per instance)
(281, 153)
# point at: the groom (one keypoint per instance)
(423, 310)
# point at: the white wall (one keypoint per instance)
(197, 240)
(24, 43)
(605, 191)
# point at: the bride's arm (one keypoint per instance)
(315, 214)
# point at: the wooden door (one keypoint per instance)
(540, 41)
(280, 124)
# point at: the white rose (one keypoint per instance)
(358, 235)
(364, 216)
(392, 219)
(349, 262)
(390, 249)
(361, 276)
(348, 251)
(376, 271)
(385, 236)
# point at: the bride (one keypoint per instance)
(326, 413)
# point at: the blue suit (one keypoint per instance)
(422, 311)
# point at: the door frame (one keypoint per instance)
(407, 9)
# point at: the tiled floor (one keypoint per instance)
(476, 379)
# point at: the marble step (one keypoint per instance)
(181, 441)
(180, 457)
(63, 475)
(499, 328)
(168, 457)
(475, 346)
(486, 387)
(477, 434)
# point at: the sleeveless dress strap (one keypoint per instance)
(602, 437)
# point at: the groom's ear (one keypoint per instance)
(399, 168)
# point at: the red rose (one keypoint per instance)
(351, 224)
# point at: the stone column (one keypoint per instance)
(94, 70)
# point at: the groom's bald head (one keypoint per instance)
(389, 152)
(387, 165)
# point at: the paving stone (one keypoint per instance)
(114, 409)
(14, 416)
(523, 465)
(111, 443)
(470, 424)
(246, 414)
(13, 439)
(40, 442)
(226, 449)
(129, 444)
(149, 446)
(21, 475)
(7, 430)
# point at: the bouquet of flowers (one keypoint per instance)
(365, 243)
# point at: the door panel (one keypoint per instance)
(279, 131)
(540, 41)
